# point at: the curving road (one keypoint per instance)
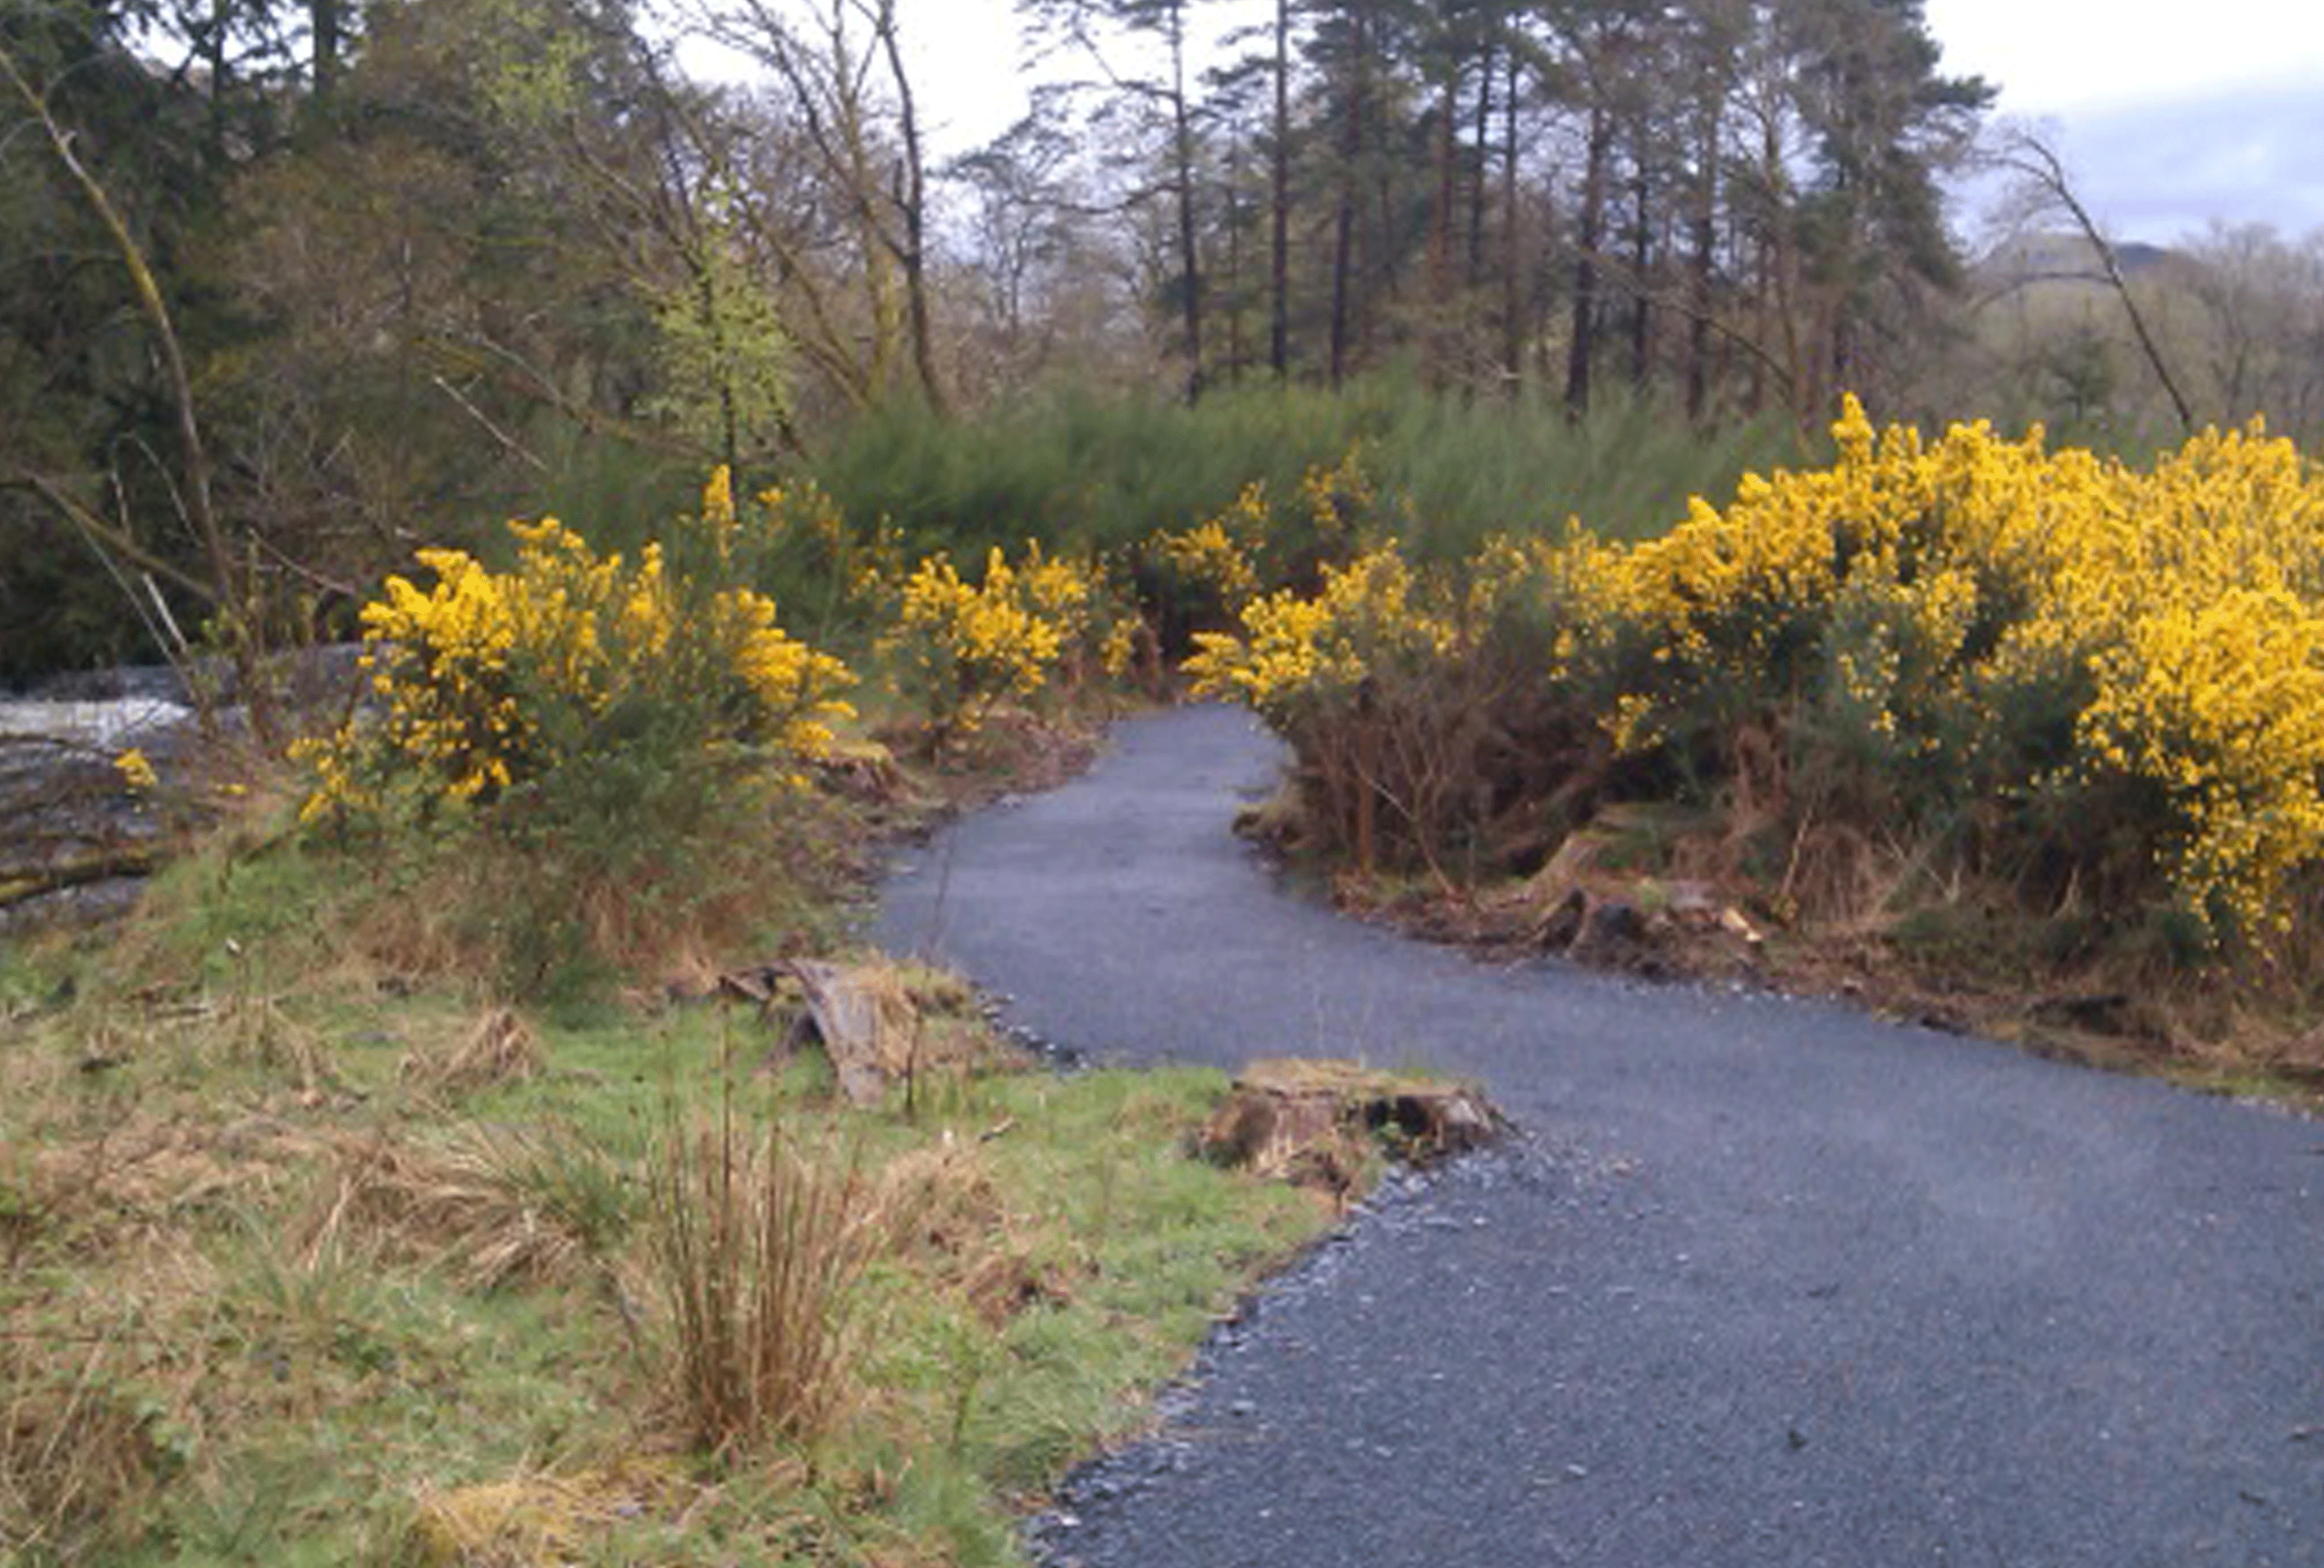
(1771, 1283)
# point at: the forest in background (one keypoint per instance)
(290, 290)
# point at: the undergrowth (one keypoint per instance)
(1085, 472)
(421, 1175)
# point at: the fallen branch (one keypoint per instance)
(18, 887)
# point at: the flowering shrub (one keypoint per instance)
(1341, 499)
(957, 648)
(1299, 655)
(2117, 675)
(492, 680)
(1205, 575)
(839, 572)
(1216, 557)
(611, 720)
(1361, 679)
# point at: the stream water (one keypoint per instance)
(74, 837)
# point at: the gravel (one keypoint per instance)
(1763, 1281)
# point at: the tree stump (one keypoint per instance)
(1314, 1122)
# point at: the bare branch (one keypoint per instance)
(2025, 154)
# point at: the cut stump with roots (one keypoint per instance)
(877, 1023)
(1313, 1122)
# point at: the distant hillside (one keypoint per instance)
(2065, 258)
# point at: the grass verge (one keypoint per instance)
(443, 1285)
(313, 1250)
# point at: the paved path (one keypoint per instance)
(1771, 1283)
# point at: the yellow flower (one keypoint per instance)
(961, 648)
(490, 681)
(1972, 613)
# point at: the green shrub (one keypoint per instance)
(581, 736)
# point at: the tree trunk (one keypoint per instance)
(1642, 326)
(324, 29)
(911, 201)
(1512, 287)
(1233, 290)
(1190, 285)
(1444, 304)
(1343, 244)
(1582, 346)
(1279, 348)
(1783, 269)
(1486, 65)
(1705, 238)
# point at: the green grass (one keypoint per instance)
(259, 1306)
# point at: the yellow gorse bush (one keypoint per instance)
(1976, 619)
(487, 680)
(1206, 554)
(1341, 497)
(1219, 555)
(959, 648)
(1213, 570)
(858, 569)
(1297, 651)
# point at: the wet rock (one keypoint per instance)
(1610, 929)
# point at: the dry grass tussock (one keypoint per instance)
(150, 1172)
(73, 1452)
(240, 1025)
(944, 1212)
(498, 1048)
(758, 1243)
(528, 1521)
(496, 1205)
(99, 1406)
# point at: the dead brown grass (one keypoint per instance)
(153, 1168)
(537, 1520)
(757, 1248)
(496, 1205)
(1832, 908)
(943, 1213)
(498, 1048)
(73, 1452)
(98, 1414)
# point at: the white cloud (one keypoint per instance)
(2073, 56)
(964, 57)
(2161, 170)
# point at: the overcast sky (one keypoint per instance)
(2169, 115)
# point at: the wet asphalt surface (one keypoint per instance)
(1762, 1281)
